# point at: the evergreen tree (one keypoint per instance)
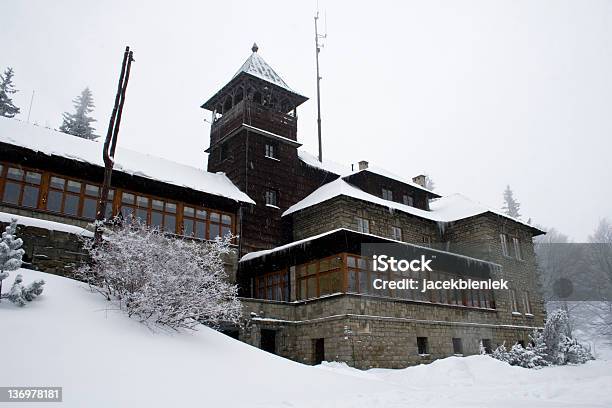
(10, 251)
(511, 206)
(78, 123)
(7, 108)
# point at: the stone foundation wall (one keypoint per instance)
(366, 332)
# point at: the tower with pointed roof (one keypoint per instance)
(253, 139)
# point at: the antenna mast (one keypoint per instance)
(318, 49)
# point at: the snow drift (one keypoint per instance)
(68, 337)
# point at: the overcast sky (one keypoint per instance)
(478, 94)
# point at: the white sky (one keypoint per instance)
(478, 94)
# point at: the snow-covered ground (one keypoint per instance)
(69, 338)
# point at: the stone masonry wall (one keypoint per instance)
(366, 332)
(342, 212)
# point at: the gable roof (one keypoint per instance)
(446, 209)
(54, 143)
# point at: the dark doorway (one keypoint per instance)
(268, 340)
(319, 350)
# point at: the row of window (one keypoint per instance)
(75, 198)
(457, 342)
(396, 233)
(511, 248)
(407, 199)
(347, 273)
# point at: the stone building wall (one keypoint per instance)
(365, 331)
(480, 237)
(56, 252)
(342, 212)
(476, 236)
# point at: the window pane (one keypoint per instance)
(156, 218)
(57, 182)
(11, 193)
(141, 214)
(188, 211)
(214, 217)
(74, 186)
(170, 223)
(188, 227)
(142, 202)
(71, 204)
(33, 178)
(200, 231)
(14, 173)
(201, 214)
(127, 212)
(226, 219)
(225, 230)
(89, 208)
(158, 205)
(30, 196)
(54, 201)
(108, 214)
(171, 207)
(214, 231)
(127, 198)
(92, 190)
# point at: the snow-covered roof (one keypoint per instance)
(258, 67)
(340, 187)
(54, 143)
(346, 171)
(257, 254)
(48, 225)
(446, 209)
(456, 206)
(327, 165)
(306, 241)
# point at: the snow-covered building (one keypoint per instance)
(306, 275)
(306, 231)
(50, 182)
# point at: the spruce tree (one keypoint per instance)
(11, 252)
(78, 123)
(7, 108)
(511, 206)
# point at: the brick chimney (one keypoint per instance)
(420, 180)
(363, 165)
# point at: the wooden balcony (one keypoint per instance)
(256, 115)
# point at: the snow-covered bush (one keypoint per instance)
(162, 279)
(11, 255)
(552, 346)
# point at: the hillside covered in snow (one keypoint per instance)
(68, 337)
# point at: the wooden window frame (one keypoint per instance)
(23, 183)
(115, 201)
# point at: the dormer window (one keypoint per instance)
(387, 194)
(408, 200)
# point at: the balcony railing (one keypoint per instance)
(256, 115)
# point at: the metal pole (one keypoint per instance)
(318, 49)
(30, 110)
